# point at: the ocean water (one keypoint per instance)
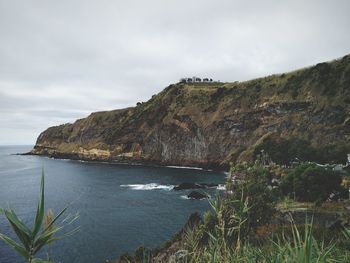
(120, 206)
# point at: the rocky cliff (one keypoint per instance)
(213, 124)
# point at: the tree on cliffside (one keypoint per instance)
(311, 182)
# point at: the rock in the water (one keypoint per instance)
(186, 186)
(197, 195)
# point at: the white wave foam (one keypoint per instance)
(221, 187)
(151, 186)
(188, 198)
(184, 167)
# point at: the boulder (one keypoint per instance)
(197, 195)
(186, 186)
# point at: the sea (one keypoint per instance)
(117, 207)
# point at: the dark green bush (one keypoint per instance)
(285, 151)
(311, 182)
(333, 154)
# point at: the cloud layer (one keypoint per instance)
(61, 60)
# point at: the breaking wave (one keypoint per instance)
(188, 198)
(221, 187)
(155, 186)
(185, 167)
(151, 186)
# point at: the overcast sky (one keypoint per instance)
(61, 60)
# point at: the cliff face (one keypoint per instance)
(213, 124)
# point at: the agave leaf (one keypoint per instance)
(21, 250)
(40, 210)
(21, 230)
(14, 218)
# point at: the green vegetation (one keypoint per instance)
(284, 120)
(285, 151)
(306, 111)
(42, 234)
(299, 247)
(252, 221)
(312, 183)
(239, 226)
(253, 187)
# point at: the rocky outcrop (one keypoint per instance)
(186, 186)
(197, 195)
(211, 125)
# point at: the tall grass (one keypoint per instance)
(298, 247)
(304, 248)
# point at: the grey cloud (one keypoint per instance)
(60, 60)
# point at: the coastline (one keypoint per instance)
(148, 163)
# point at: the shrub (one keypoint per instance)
(311, 182)
(254, 186)
(209, 220)
(139, 253)
(284, 151)
(333, 154)
(298, 246)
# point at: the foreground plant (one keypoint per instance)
(304, 248)
(227, 244)
(41, 234)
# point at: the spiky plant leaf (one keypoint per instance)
(21, 230)
(40, 210)
(31, 239)
(44, 239)
(18, 248)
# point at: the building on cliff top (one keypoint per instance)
(195, 79)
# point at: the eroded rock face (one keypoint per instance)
(211, 125)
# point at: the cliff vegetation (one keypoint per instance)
(303, 114)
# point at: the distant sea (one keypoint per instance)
(120, 206)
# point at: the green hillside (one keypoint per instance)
(213, 124)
